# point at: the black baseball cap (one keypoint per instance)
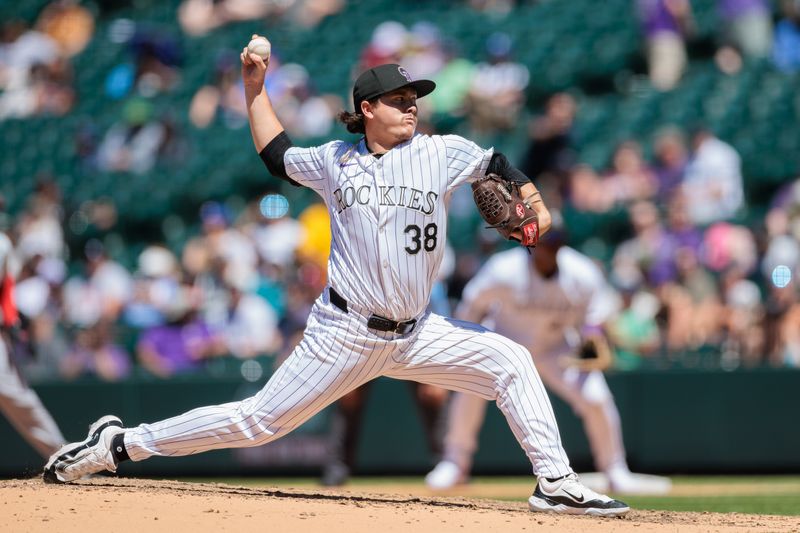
(384, 79)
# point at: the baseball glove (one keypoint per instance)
(501, 205)
(594, 353)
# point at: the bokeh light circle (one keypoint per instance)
(781, 276)
(274, 206)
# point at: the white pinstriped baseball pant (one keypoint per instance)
(339, 353)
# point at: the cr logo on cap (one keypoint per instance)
(403, 72)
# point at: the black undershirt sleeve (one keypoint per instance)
(272, 156)
(499, 165)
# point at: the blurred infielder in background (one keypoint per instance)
(19, 403)
(554, 302)
(387, 196)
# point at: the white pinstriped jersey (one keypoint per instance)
(388, 225)
(388, 215)
(537, 312)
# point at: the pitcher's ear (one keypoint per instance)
(367, 109)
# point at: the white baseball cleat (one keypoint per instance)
(445, 475)
(90, 456)
(638, 484)
(568, 495)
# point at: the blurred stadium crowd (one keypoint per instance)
(144, 236)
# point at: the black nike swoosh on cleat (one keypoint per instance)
(564, 500)
(579, 500)
(90, 442)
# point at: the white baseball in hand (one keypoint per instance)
(260, 47)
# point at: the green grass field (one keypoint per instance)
(778, 495)
(756, 495)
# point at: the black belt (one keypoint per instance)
(381, 323)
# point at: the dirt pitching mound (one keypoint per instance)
(146, 506)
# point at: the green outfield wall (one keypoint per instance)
(673, 422)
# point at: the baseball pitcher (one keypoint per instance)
(387, 195)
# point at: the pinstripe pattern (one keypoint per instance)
(378, 208)
(373, 201)
(544, 315)
(338, 353)
(465, 357)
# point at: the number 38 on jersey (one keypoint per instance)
(421, 239)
